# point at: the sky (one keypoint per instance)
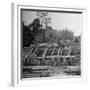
(59, 21)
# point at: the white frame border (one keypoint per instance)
(15, 41)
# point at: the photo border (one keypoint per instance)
(16, 39)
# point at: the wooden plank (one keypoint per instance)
(57, 56)
(45, 52)
(35, 50)
(59, 51)
(53, 51)
(69, 50)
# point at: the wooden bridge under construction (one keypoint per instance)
(52, 53)
(45, 55)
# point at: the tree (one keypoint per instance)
(50, 35)
(27, 36)
(35, 28)
(66, 34)
(44, 19)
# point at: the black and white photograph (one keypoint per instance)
(50, 43)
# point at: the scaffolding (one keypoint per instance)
(48, 52)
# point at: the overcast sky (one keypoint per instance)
(59, 20)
